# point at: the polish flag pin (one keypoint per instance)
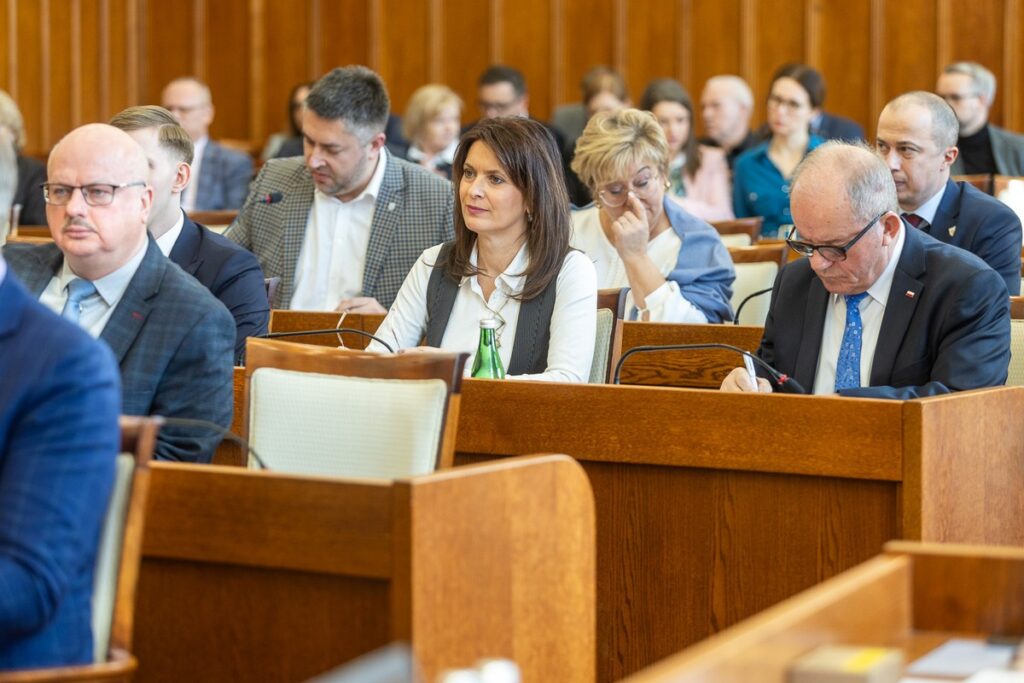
(910, 294)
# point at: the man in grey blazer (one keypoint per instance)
(220, 176)
(343, 226)
(174, 341)
(970, 88)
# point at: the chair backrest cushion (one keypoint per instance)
(602, 346)
(312, 423)
(108, 558)
(1015, 378)
(751, 277)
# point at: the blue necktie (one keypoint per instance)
(78, 291)
(848, 365)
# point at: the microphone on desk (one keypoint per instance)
(736, 319)
(214, 427)
(333, 330)
(268, 198)
(783, 382)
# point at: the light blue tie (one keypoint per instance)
(848, 365)
(78, 291)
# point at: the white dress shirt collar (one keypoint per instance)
(110, 287)
(166, 241)
(510, 282)
(928, 210)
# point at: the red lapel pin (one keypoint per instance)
(910, 294)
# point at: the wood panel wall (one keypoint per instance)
(68, 62)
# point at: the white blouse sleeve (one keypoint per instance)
(666, 304)
(406, 321)
(573, 323)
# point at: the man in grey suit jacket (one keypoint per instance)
(970, 88)
(172, 338)
(220, 176)
(343, 226)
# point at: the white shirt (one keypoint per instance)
(333, 255)
(573, 320)
(188, 197)
(166, 241)
(3, 269)
(445, 156)
(872, 310)
(666, 303)
(928, 210)
(99, 306)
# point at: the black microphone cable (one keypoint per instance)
(736, 319)
(224, 432)
(333, 330)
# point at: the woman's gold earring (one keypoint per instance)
(529, 217)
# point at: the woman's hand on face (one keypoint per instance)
(631, 231)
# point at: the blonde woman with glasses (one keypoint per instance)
(675, 264)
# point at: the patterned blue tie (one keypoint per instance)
(78, 291)
(848, 365)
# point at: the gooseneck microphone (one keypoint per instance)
(784, 383)
(333, 330)
(268, 198)
(736, 318)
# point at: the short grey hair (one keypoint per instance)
(862, 171)
(8, 175)
(354, 95)
(945, 126)
(739, 88)
(984, 80)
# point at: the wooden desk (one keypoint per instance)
(254, 576)
(712, 507)
(913, 597)
(295, 321)
(694, 369)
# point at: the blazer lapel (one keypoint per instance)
(295, 207)
(899, 309)
(185, 251)
(810, 339)
(131, 312)
(947, 213)
(386, 215)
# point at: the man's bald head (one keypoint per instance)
(843, 193)
(726, 106)
(98, 199)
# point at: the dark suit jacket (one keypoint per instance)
(413, 213)
(953, 333)
(59, 404)
(982, 225)
(224, 178)
(31, 174)
(231, 273)
(1007, 150)
(833, 127)
(173, 340)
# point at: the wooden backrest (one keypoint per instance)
(760, 253)
(260, 576)
(741, 226)
(691, 368)
(981, 181)
(448, 367)
(614, 300)
(214, 219)
(38, 231)
(1017, 307)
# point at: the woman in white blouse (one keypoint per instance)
(510, 261)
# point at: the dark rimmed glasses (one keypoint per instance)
(827, 251)
(95, 194)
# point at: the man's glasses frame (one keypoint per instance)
(828, 252)
(94, 194)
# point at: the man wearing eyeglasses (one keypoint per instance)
(970, 89)
(877, 309)
(917, 135)
(174, 341)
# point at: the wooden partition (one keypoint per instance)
(913, 597)
(296, 321)
(712, 507)
(253, 576)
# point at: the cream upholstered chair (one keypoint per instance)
(611, 307)
(756, 268)
(736, 240)
(117, 567)
(1015, 377)
(339, 412)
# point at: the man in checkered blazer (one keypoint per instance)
(343, 226)
(173, 340)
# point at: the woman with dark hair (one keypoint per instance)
(698, 174)
(289, 144)
(760, 183)
(510, 261)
